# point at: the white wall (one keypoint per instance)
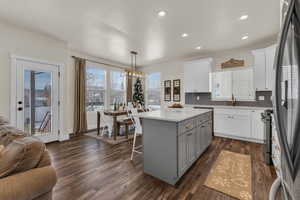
(169, 71)
(21, 42)
(174, 69)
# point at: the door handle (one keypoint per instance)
(284, 102)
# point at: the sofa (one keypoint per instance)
(25, 166)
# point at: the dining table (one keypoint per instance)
(114, 114)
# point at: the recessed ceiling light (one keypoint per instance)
(198, 47)
(184, 35)
(245, 37)
(162, 13)
(244, 17)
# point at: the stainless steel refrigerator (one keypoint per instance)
(286, 101)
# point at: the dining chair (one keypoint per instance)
(137, 131)
(106, 122)
(125, 121)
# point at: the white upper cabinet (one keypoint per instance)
(243, 84)
(196, 75)
(238, 83)
(270, 72)
(221, 85)
(259, 69)
(257, 132)
(263, 68)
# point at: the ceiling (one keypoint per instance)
(110, 29)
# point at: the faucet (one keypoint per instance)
(233, 100)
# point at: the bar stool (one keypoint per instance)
(137, 131)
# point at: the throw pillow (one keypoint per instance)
(1, 149)
(21, 155)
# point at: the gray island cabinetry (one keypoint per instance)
(173, 140)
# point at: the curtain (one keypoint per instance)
(80, 121)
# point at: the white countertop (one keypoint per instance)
(228, 107)
(173, 115)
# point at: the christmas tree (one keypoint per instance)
(138, 95)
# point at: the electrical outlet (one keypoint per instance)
(198, 98)
(261, 98)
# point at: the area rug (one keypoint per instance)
(110, 140)
(231, 175)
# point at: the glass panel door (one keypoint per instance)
(37, 100)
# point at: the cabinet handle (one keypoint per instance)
(189, 134)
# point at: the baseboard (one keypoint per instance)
(238, 138)
(64, 137)
(72, 135)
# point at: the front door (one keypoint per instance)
(37, 99)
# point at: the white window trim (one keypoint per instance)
(64, 135)
(147, 89)
(108, 87)
(105, 86)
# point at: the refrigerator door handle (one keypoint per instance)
(285, 100)
(278, 113)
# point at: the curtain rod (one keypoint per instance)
(110, 65)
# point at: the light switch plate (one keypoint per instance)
(261, 98)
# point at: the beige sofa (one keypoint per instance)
(25, 166)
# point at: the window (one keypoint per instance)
(118, 87)
(95, 88)
(153, 90)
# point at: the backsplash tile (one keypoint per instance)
(205, 99)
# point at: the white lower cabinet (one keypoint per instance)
(239, 124)
(257, 132)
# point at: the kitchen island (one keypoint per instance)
(173, 139)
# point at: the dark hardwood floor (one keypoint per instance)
(90, 169)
